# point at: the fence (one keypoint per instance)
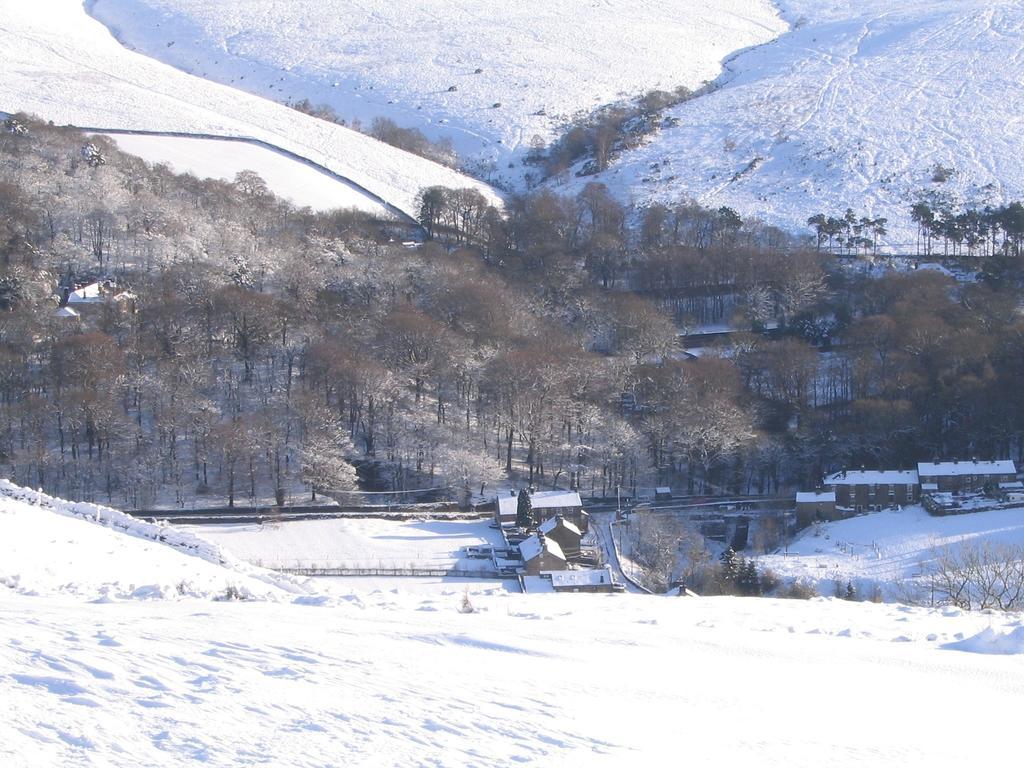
(402, 572)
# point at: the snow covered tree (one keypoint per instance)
(731, 564)
(325, 445)
(93, 156)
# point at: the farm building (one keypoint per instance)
(568, 504)
(584, 580)
(541, 554)
(567, 535)
(815, 505)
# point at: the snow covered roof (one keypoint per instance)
(507, 505)
(809, 497)
(87, 294)
(580, 578)
(66, 312)
(958, 468)
(873, 477)
(1016, 485)
(532, 547)
(663, 489)
(97, 293)
(553, 522)
(555, 499)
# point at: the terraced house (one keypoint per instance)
(964, 476)
(864, 489)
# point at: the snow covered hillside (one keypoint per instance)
(488, 74)
(94, 672)
(893, 550)
(860, 105)
(62, 65)
(302, 184)
(50, 546)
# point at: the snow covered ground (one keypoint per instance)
(307, 673)
(894, 550)
(91, 552)
(355, 543)
(417, 62)
(855, 107)
(62, 65)
(302, 184)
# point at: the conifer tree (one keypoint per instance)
(524, 510)
(749, 581)
(731, 565)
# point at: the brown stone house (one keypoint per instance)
(965, 476)
(864, 489)
(545, 505)
(568, 504)
(541, 554)
(564, 532)
(815, 505)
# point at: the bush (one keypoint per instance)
(798, 590)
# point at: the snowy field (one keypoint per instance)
(894, 550)
(543, 62)
(355, 543)
(449, 588)
(855, 106)
(62, 65)
(293, 180)
(309, 674)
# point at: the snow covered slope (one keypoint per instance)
(49, 546)
(569, 680)
(894, 550)
(417, 62)
(93, 672)
(62, 65)
(856, 106)
(291, 179)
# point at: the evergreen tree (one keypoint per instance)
(731, 564)
(749, 582)
(524, 510)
